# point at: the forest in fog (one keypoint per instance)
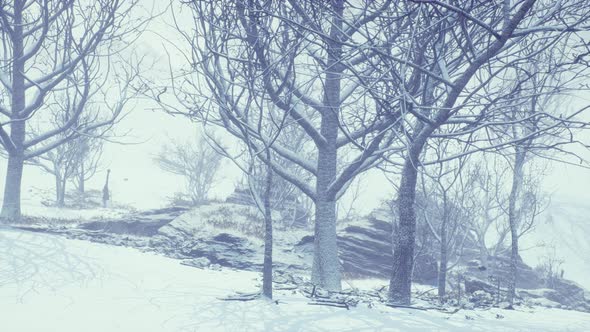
(338, 165)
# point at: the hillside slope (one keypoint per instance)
(49, 283)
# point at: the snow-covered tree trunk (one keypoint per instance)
(326, 270)
(403, 245)
(517, 175)
(442, 270)
(11, 209)
(268, 238)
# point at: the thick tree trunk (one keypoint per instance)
(326, 271)
(268, 238)
(519, 160)
(11, 210)
(403, 243)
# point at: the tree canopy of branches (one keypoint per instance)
(77, 159)
(377, 79)
(298, 65)
(449, 76)
(50, 49)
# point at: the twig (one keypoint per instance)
(331, 304)
(406, 307)
(241, 297)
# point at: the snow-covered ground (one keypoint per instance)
(49, 283)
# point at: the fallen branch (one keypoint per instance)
(331, 304)
(408, 307)
(241, 297)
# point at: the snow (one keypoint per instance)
(49, 283)
(41, 211)
(562, 230)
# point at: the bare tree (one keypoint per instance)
(60, 163)
(76, 159)
(524, 201)
(445, 208)
(196, 161)
(550, 267)
(90, 149)
(448, 75)
(308, 60)
(248, 162)
(43, 44)
(263, 202)
(487, 198)
(268, 237)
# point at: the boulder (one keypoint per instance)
(365, 251)
(533, 293)
(473, 285)
(568, 293)
(199, 262)
(499, 268)
(481, 298)
(469, 306)
(145, 223)
(226, 250)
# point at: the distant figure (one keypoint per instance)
(105, 190)
(562, 272)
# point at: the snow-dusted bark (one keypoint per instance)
(444, 260)
(517, 176)
(326, 266)
(11, 209)
(405, 235)
(268, 238)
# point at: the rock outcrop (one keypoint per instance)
(230, 235)
(365, 251)
(146, 223)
